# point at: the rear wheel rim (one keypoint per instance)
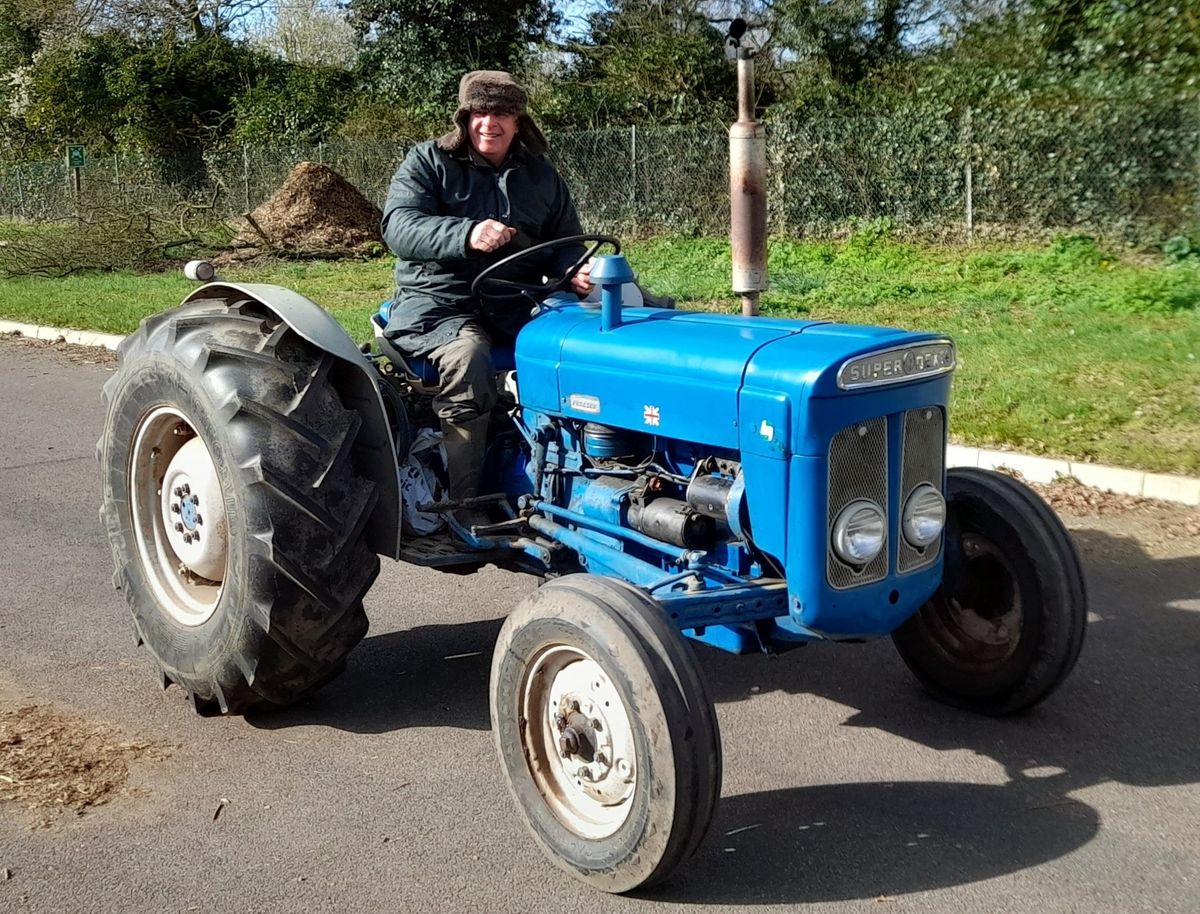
(578, 741)
(179, 521)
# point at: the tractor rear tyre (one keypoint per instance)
(1008, 622)
(232, 506)
(605, 733)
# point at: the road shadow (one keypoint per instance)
(428, 676)
(1129, 713)
(867, 841)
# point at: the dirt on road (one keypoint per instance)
(1156, 524)
(54, 762)
(80, 355)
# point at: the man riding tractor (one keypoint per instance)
(457, 205)
(754, 484)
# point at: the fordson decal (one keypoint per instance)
(584, 403)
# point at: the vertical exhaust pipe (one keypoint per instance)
(747, 184)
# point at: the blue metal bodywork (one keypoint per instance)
(759, 391)
(621, 410)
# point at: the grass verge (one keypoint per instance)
(1064, 350)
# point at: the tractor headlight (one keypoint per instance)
(924, 516)
(859, 532)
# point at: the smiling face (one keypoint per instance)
(492, 134)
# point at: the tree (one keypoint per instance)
(1107, 35)
(168, 98)
(31, 31)
(31, 25)
(295, 102)
(850, 39)
(311, 32)
(177, 97)
(194, 19)
(414, 51)
(644, 61)
(66, 96)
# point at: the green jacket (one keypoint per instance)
(435, 199)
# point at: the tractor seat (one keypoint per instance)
(421, 368)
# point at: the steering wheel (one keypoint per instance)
(488, 285)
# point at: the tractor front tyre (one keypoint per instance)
(606, 736)
(1008, 622)
(232, 506)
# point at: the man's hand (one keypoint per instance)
(581, 281)
(490, 235)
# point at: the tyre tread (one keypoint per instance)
(660, 651)
(1059, 650)
(306, 604)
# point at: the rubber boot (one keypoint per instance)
(465, 442)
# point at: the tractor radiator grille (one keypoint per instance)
(857, 469)
(924, 447)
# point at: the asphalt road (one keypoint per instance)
(845, 788)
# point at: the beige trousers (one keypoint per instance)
(466, 377)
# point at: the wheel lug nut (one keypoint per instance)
(568, 744)
(601, 758)
(175, 509)
(195, 498)
(596, 724)
(179, 528)
(178, 491)
(199, 520)
(187, 490)
(585, 773)
(187, 538)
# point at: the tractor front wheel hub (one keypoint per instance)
(584, 737)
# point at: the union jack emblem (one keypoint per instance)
(650, 415)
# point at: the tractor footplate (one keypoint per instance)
(439, 550)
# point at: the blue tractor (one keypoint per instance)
(755, 484)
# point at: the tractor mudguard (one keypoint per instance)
(375, 454)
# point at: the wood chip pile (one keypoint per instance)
(316, 213)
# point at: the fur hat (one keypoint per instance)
(498, 92)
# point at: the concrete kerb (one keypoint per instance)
(54, 334)
(1182, 489)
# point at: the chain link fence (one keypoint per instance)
(935, 179)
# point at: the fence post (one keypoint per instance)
(1196, 168)
(246, 176)
(633, 163)
(968, 176)
(20, 190)
(75, 182)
